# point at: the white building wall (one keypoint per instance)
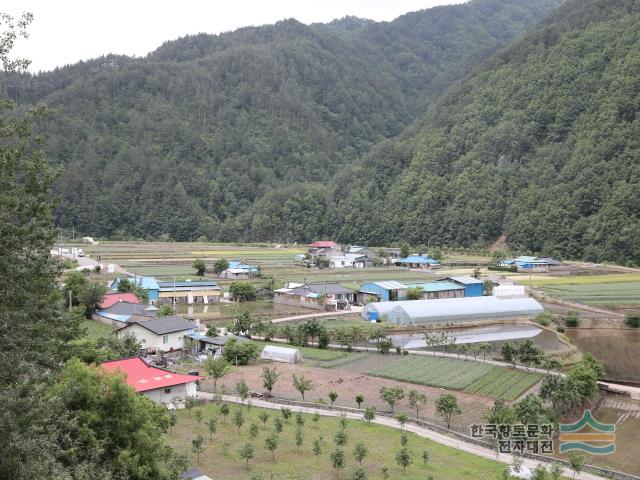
(151, 340)
(177, 392)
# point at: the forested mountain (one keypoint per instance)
(202, 136)
(540, 143)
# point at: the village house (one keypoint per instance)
(159, 385)
(162, 334)
(111, 298)
(417, 262)
(196, 291)
(350, 260)
(320, 296)
(526, 263)
(122, 312)
(196, 342)
(239, 271)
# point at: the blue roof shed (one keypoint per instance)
(386, 291)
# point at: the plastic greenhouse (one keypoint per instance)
(281, 354)
(456, 310)
(379, 309)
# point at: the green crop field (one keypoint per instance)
(221, 460)
(627, 293)
(438, 372)
(470, 376)
(502, 383)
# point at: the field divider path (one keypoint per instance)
(409, 427)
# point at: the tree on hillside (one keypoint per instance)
(302, 384)
(414, 293)
(391, 395)
(165, 310)
(90, 296)
(199, 266)
(417, 400)
(269, 378)
(82, 390)
(216, 368)
(447, 406)
(197, 447)
(220, 265)
(337, 460)
(404, 459)
(242, 291)
(405, 250)
(509, 353)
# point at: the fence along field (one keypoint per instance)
(467, 375)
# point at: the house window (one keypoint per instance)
(167, 390)
(165, 339)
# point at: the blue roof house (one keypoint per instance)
(525, 262)
(417, 261)
(150, 284)
(239, 269)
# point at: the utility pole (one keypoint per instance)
(70, 299)
(174, 293)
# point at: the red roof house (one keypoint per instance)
(111, 298)
(323, 244)
(156, 383)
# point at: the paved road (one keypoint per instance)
(420, 431)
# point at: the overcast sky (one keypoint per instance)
(66, 31)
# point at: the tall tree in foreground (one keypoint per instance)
(34, 426)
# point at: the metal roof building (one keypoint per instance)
(457, 310)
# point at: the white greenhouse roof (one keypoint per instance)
(281, 354)
(460, 309)
(383, 308)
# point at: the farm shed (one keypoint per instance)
(281, 354)
(456, 310)
(435, 290)
(389, 290)
(473, 287)
(377, 310)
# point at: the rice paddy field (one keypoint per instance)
(165, 260)
(470, 376)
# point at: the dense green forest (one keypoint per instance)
(540, 143)
(204, 135)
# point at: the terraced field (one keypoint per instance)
(502, 383)
(466, 375)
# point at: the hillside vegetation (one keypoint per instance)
(540, 143)
(206, 134)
